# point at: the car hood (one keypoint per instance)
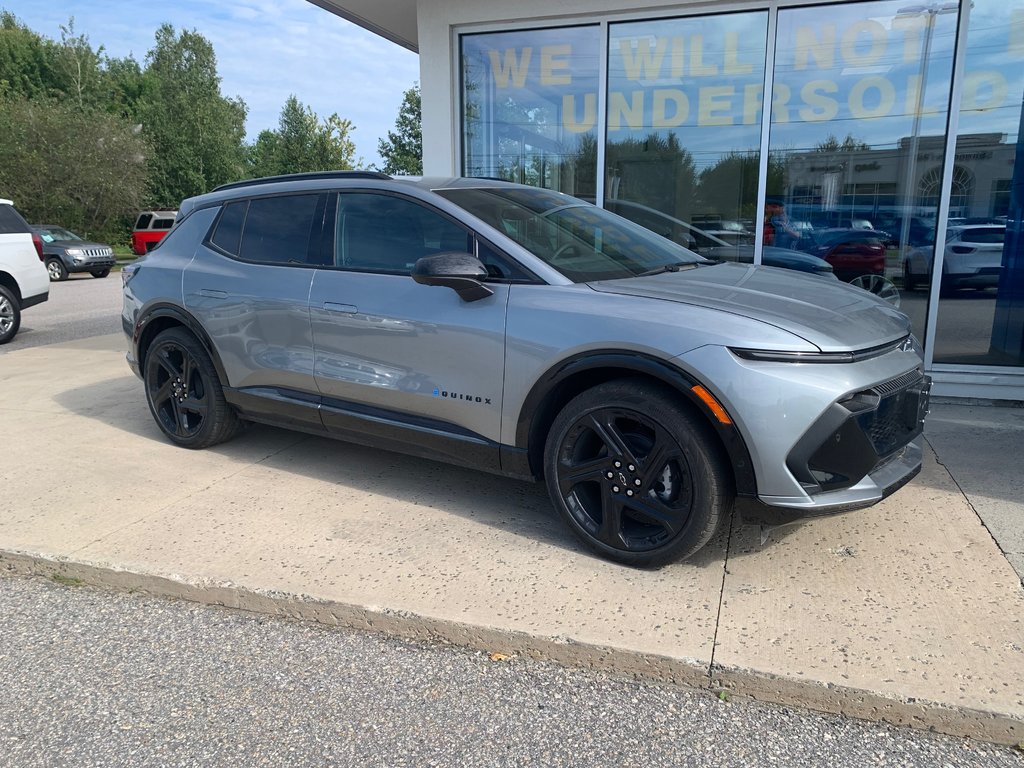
(833, 316)
(75, 244)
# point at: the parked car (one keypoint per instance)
(66, 252)
(712, 247)
(973, 258)
(851, 252)
(532, 334)
(150, 228)
(23, 280)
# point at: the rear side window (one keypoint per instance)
(278, 229)
(11, 221)
(163, 223)
(143, 221)
(229, 227)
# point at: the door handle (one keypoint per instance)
(212, 294)
(348, 309)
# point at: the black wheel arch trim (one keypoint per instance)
(185, 319)
(534, 407)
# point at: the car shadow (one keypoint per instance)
(515, 506)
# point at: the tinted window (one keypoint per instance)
(143, 221)
(277, 229)
(988, 235)
(229, 227)
(11, 221)
(163, 223)
(383, 233)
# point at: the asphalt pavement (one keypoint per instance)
(95, 678)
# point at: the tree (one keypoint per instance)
(25, 66)
(303, 143)
(403, 150)
(196, 133)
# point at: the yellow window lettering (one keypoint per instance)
(678, 57)
(697, 66)
(913, 36)
(984, 90)
(732, 59)
(809, 46)
(913, 93)
(780, 99)
(1017, 32)
(510, 67)
(671, 108)
(819, 105)
(752, 97)
(589, 113)
(644, 62)
(715, 105)
(619, 110)
(552, 58)
(886, 97)
(877, 37)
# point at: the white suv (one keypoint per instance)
(23, 278)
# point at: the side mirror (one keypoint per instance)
(462, 272)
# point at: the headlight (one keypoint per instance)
(73, 251)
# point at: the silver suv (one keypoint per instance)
(529, 333)
(23, 279)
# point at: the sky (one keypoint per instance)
(266, 50)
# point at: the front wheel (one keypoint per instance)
(184, 392)
(882, 287)
(56, 270)
(10, 315)
(100, 272)
(637, 476)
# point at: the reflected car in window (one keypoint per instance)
(973, 258)
(852, 252)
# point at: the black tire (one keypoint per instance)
(184, 392)
(100, 272)
(909, 283)
(635, 474)
(56, 269)
(10, 314)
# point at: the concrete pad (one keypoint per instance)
(981, 447)
(279, 512)
(909, 600)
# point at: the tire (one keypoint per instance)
(100, 272)
(879, 285)
(909, 283)
(56, 269)
(629, 448)
(184, 392)
(10, 314)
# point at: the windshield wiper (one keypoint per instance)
(666, 268)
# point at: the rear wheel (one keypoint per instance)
(56, 270)
(10, 315)
(881, 286)
(636, 476)
(100, 272)
(184, 392)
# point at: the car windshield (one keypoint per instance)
(578, 239)
(49, 234)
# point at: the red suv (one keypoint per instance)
(150, 228)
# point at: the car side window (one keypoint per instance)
(384, 233)
(11, 221)
(228, 234)
(277, 230)
(143, 222)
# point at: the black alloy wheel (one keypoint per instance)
(636, 474)
(184, 393)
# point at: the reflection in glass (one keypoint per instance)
(980, 319)
(530, 107)
(684, 115)
(858, 120)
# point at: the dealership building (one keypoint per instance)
(888, 113)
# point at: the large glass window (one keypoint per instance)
(529, 104)
(980, 316)
(858, 122)
(684, 126)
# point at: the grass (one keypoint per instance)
(66, 581)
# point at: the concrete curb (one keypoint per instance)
(995, 727)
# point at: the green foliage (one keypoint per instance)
(82, 168)
(402, 151)
(196, 133)
(302, 143)
(656, 171)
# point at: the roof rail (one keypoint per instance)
(313, 176)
